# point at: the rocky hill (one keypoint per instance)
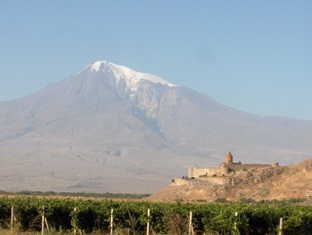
(249, 182)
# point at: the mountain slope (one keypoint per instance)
(109, 128)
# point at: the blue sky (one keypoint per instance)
(255, 56)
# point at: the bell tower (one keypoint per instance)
(229, 158)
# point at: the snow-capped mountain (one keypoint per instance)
(110, 128)
(124, 74)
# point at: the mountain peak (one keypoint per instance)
(130, 76)
(97, 65)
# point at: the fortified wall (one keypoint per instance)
(205, 172)
(223, 170)
(201, 181)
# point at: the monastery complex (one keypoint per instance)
(226, 168)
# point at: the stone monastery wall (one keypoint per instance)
(197, 172)
(222, 170)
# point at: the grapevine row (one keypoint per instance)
(165, 218)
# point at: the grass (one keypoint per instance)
(52, 232)
(16, 232)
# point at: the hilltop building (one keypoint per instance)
(226, 168)
(223, 170)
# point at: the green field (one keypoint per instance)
(93, 216)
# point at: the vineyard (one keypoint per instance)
(106, 216)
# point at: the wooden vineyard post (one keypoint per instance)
(74, 222)
(42, 221)
(191, 230)
(12, 218)
(46, 224)
(235, 224)
(280, 231)
(111, 222)
(148, 223)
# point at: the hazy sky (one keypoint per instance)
(255, 56)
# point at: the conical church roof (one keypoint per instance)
(229, 158)
(229, 154)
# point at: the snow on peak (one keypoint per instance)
(130, 76)
(96, 66)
